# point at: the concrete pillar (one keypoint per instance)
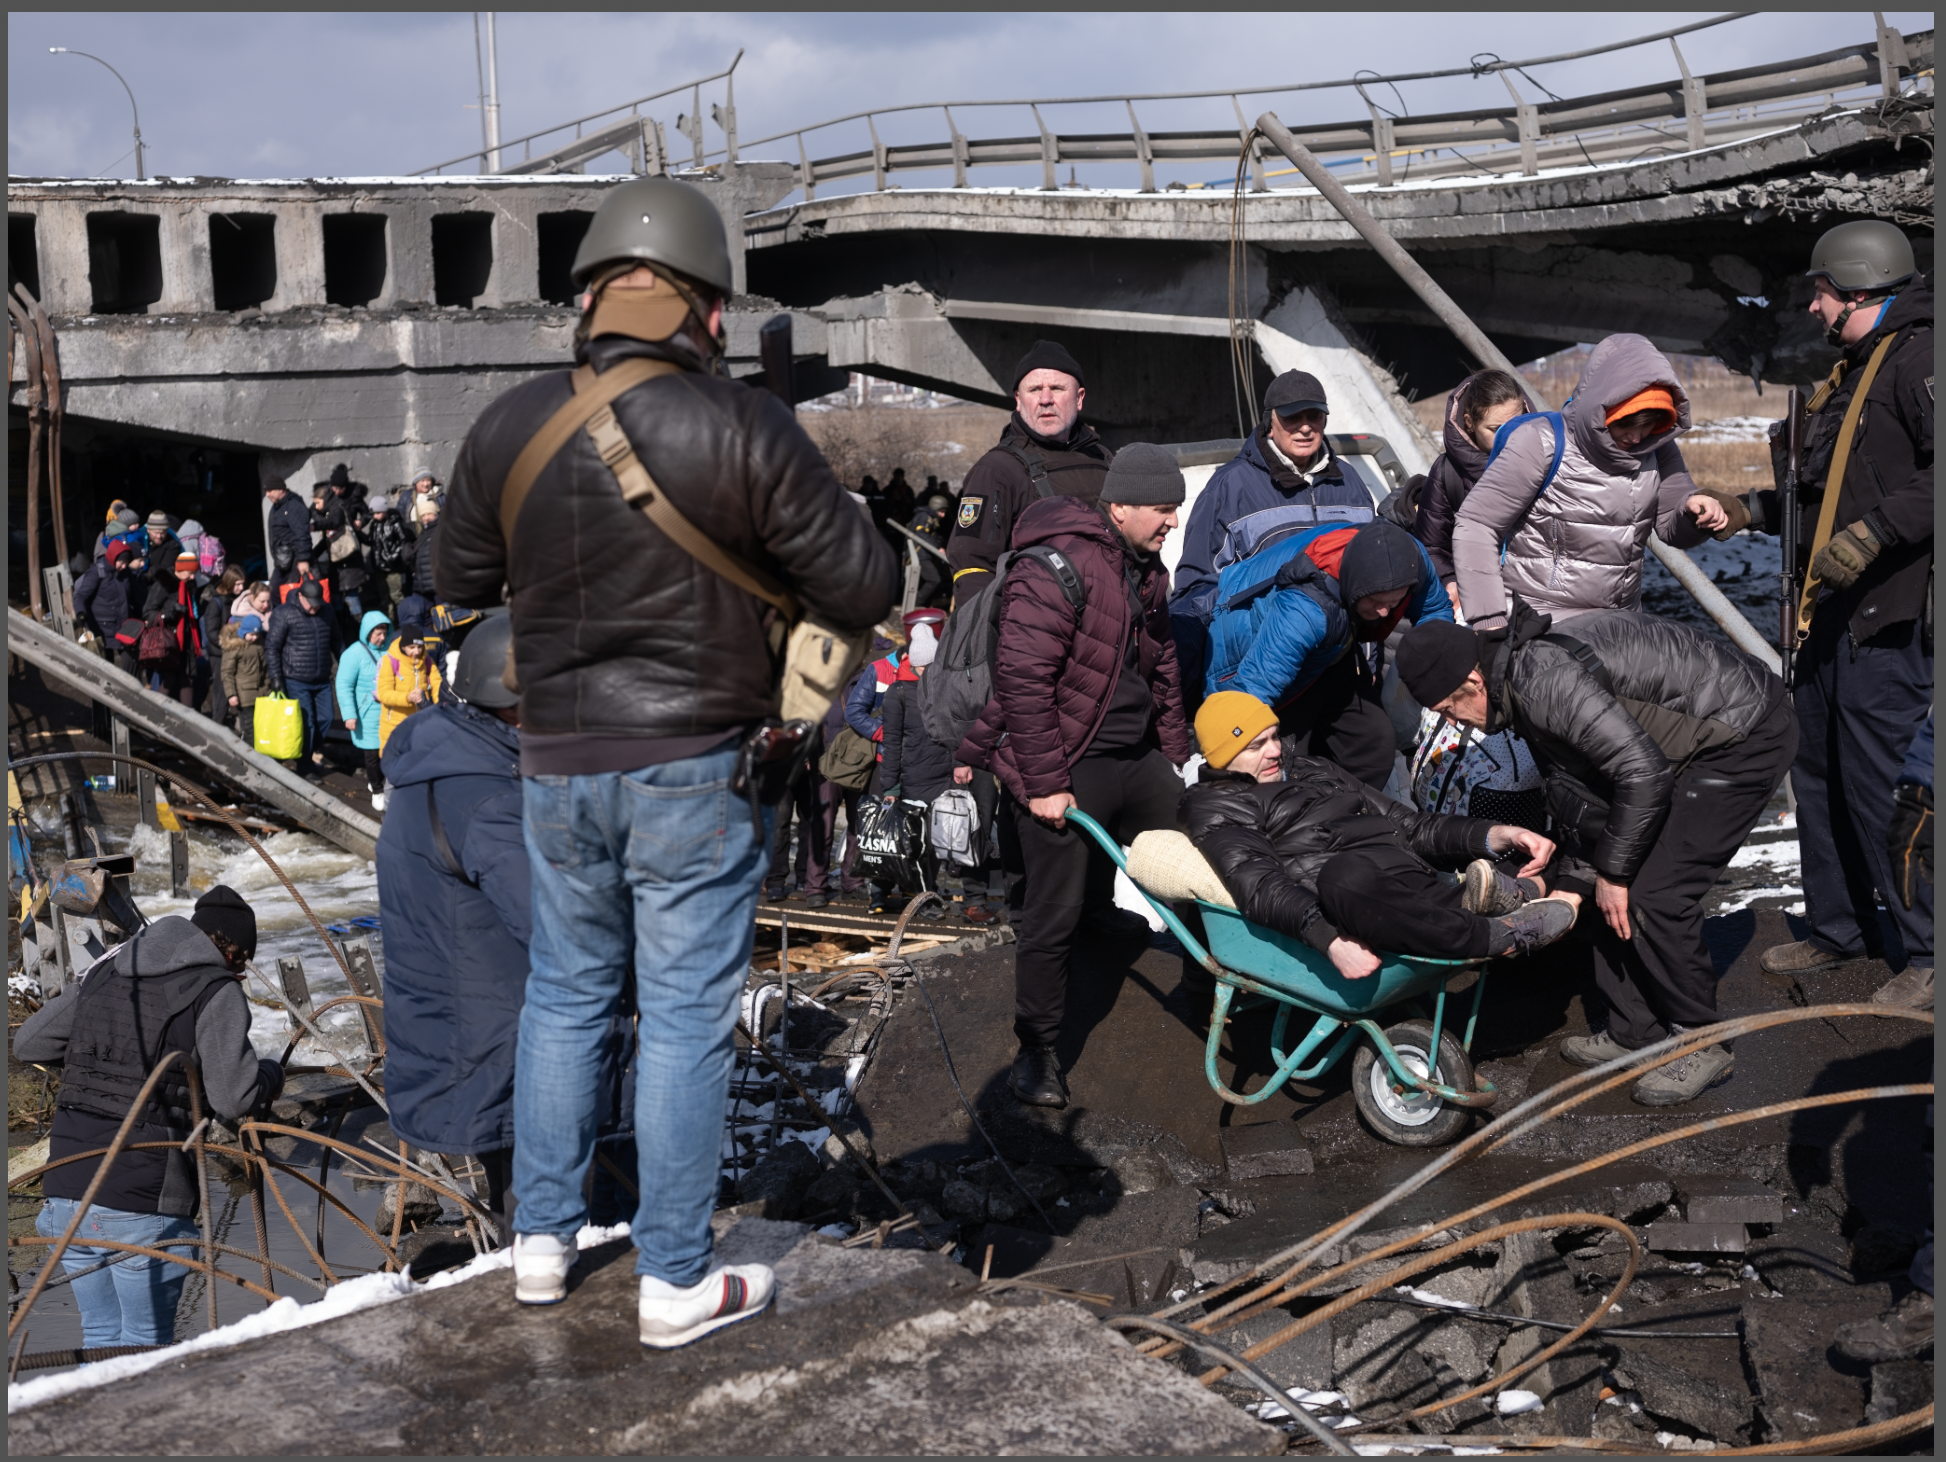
(300, 256)
(62, 236)
(1301, 334)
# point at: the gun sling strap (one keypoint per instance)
(1834, 481)
(591, 409)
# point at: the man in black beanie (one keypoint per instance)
(1661, 748)
(1045, 450)
(172, 988)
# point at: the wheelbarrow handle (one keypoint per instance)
(1168, 916)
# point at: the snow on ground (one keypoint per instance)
(1731, 429)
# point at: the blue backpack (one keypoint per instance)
(1501, 437)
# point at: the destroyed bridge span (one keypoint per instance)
(369, 320)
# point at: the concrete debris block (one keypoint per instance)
(1470, 1284)
(1694, 1385)
(1671, 1237)
(962, 1199)
(1898, 1388)
(1805, 1387)
(1797, 1258)
(780, 1181)
(1465, 1348)
(1265, 1150)
(1881, 1249)
(982, 1379)
(1305, 1360)
(1726, 1198)
(1379, 1358)
(810, 1275)
(833, 1195)
(1140, 1171)
(422, 1206)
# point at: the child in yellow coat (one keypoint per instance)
(407, 682)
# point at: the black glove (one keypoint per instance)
(270, 1085)
(276, 687)
(1909, 838)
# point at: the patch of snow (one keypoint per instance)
(835, 1231)
(1426, 1296)
(814, 1139)
(1513, 1403)
(1730, 429)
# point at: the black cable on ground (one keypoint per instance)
(1471, 1312)
(1196, 1340)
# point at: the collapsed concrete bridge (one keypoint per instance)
(226, 332)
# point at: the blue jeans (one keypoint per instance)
(660, 868)
(132, 1302)
(313, 699)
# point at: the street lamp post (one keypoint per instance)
(64, 51)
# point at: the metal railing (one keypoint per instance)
(689, 124)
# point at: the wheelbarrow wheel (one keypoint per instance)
(1411, 1118)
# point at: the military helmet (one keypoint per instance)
(1865, 254)
(481, 659)
(657, 221)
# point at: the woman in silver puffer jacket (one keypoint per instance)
(1575, 543)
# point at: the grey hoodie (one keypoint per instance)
(1578, 546)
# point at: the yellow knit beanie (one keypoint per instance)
(1229, 721)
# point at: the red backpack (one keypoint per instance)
(157, 649)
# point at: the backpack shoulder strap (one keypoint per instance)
(591, 393)
(1584, 656)
(1553, 419)
(1064, 571)
(1036, 465)
(443, 843)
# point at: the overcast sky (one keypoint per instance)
(300, 95)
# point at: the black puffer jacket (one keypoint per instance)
(616, 629)
(300, 646)
(914, 763)
(1268, 841)
(1674, 693)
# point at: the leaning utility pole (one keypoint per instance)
(492, 96)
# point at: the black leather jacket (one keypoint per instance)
(1268, 841)
(618, 631)
(1674, 693)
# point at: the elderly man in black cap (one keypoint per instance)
(1284, 475)
(172, 988)
(1661, 747)
(1045, 450)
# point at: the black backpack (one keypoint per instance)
(957, 687)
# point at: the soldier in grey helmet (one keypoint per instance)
(1864, 672)
(658, 500)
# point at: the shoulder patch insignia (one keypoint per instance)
(969, 511)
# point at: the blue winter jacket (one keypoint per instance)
(1280, 622)
(455, 941)
(357, 682)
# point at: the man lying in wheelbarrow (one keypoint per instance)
(1661, 749)
(1308, 850)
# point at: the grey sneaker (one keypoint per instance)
(1685, 1079)
(1911, 989)
(1597, 1048)
(1799, 958)
(1903, 1332)
(1534, 924)
(1491, 892)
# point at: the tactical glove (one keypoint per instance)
(1909, 839)
(1850, 552)
(1737, 508)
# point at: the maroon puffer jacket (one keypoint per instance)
(1052, 676)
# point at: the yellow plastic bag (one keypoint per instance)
(279, 727)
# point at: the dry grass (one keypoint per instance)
(942, 441)
(1714, 395)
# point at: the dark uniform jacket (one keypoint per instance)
(167, 989)
(1889, 477)
(290, 530)
(1672, 693)
(1269, 841)
(1001, 487)
(617, 630)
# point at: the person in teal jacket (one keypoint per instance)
(357, 699)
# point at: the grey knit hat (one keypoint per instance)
(1145, 475)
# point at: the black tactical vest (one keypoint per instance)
(122, 1027)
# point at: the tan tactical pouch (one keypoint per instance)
(816, 661)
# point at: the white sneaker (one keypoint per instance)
(378, 801)
(541, 1264)
(671, 1316)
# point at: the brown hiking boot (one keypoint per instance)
(1800, 958)
(1903, 1332)
(1909, 990)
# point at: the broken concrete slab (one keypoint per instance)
(1795, 1258)
(1265, 1150)
(1711, 1198)
(1693, 1386)
(1805, 1387)
(1671, 1237)
(942, 1370)
(1899, 1387)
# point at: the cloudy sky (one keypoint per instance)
(293, 95)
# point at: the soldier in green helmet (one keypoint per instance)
(1863, 672)
(654, 523)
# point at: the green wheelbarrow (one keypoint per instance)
(1406, 1094)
